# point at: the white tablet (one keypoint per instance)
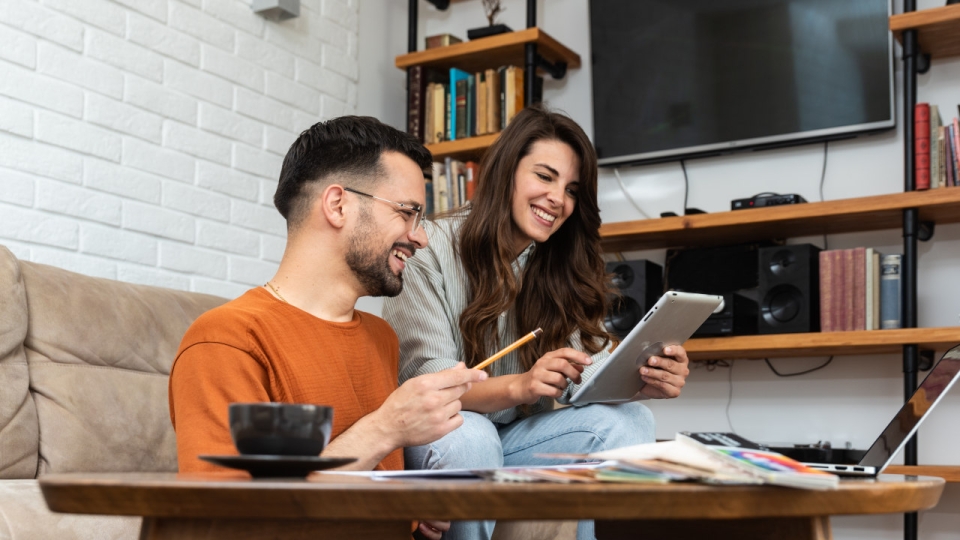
(671, 321)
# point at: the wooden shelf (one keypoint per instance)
(950, 473)
(493, 51)
(938, 29)
(831, 217)
(462, 149)
(820, 343)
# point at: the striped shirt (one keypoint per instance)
(426, 316)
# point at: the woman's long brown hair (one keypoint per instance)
(563, 287)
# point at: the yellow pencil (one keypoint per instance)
(516, 344)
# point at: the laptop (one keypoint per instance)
(905, 423)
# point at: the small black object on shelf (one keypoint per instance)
(486, 31)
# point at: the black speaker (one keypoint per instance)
(713, 270)
(737, 318)
(789, 289)
(640, 284)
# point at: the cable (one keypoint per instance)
(823, 176)
(686, 185)
(811, 370)
(616, 172)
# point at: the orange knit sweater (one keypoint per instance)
(257, 348)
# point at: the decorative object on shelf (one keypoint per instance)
(492, 8)
(276, 10)
(441, 40)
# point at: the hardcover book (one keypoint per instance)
(890, 291)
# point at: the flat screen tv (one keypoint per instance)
(676, 79)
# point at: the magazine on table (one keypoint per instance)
(711, 457)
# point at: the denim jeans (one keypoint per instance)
(479, 443)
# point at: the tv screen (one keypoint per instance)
(674, 79)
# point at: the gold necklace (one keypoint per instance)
(276, 292)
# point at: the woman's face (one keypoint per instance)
(545, 191)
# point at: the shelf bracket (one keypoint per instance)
(927, 228)
(923, 62)
(926, 360)
(442, 5)
(557, 71)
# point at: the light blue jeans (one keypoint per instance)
(479, 443)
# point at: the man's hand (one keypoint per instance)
(427, 407)
(666, 374)
(548, 377)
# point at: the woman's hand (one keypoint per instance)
(548, 377)
(666, 374)
(433, 529)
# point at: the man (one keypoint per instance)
(352, 192)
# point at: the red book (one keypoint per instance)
(859, 256)
(921, 134)
(473, 175)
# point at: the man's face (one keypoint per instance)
(382, 239)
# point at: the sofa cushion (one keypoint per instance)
(19, 444)
(24, 516)
(99, 353)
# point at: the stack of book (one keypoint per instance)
(454, 104)
(937, 148)
(859, 290)
(450, 185)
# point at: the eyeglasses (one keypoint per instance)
(416, 209)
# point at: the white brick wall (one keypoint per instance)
(141, 140)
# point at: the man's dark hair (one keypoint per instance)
(348, 147)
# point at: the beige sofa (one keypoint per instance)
(83, 388)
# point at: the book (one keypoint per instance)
(955, 139)
(462, 114)
(493, 101)
(868, 290)
(416, 101)
(827, 300)
(890, 291)
(859, 293)
(714, 458)
(755, 460)
(473, 174)
(441, 40)
(935, 124)
(921, 135)
(457, 102)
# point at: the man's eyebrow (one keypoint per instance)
(549, 168)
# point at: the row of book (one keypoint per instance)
(450, 185)
(453, 104)
(937, 148)
(859, 290)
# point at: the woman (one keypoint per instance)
(525, 254)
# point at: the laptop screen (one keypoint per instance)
(934, 387)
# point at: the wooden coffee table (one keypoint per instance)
(332, 506)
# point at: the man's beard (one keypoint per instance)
(371, 267)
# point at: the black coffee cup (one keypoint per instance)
(280, 429)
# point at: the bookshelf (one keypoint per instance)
(830, 217)
(938, 29)
(513, 48)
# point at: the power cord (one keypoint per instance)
(823, 177)
(804, 372)
(623, 188)
(686, 185)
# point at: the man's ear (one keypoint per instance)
(331, 204)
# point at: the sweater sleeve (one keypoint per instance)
(206, 377)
